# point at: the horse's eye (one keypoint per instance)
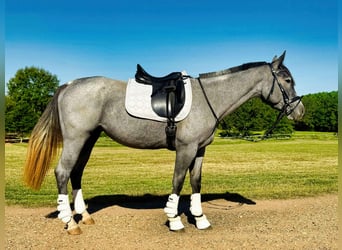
(288, 80)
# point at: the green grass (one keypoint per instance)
(305, 165)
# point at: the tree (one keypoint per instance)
(321, 112)
(254, 115)
(29, 91)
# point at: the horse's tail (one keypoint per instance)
(43, 145)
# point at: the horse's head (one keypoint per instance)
(281, 93)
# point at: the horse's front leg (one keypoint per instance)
(195, 180)
(184, 158)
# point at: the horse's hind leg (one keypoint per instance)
(62, 173)
(76, 179)
(71, 159)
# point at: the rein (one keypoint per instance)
(209, 104)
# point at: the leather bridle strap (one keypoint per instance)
(287, 102)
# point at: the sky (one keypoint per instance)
(74, 39)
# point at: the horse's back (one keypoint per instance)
(85, 93)
(93, 86)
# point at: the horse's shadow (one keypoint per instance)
(148, 201)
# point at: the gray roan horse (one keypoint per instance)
(81, 109)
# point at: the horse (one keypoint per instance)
(81, 109)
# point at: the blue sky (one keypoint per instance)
(75, 39)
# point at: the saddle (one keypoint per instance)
(167, 98)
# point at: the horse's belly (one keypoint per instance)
(138, 133)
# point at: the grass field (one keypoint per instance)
(305, 165)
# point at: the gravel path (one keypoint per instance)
(308, 223)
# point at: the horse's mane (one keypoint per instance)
(233, 69)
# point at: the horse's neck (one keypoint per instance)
(228, 92)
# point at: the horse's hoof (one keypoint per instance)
(74, 230)
(202, 223)
(176, 224)
(88, 221)
(86, 218)
(182, 230)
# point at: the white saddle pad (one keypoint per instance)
(138, 101)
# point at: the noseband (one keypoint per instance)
(286, 109)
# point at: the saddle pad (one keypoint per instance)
(138, 101)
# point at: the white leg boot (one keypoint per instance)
(63, 208)
(196, 211)
(65, 214)
(80, 207)
(171, 211)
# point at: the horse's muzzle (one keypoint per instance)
(297, 112)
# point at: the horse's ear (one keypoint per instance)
(276, 62)
(282, 57)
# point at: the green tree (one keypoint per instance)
(254, 115)
(29, 91)
(321, 112)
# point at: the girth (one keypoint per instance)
(167, 98)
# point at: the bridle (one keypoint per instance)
(286, 109)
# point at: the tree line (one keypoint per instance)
(30, 90)
(321, 110)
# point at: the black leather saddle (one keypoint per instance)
(168, 92)
(167, 98)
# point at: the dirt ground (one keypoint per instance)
(124, 222)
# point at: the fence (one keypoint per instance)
(15, 138)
